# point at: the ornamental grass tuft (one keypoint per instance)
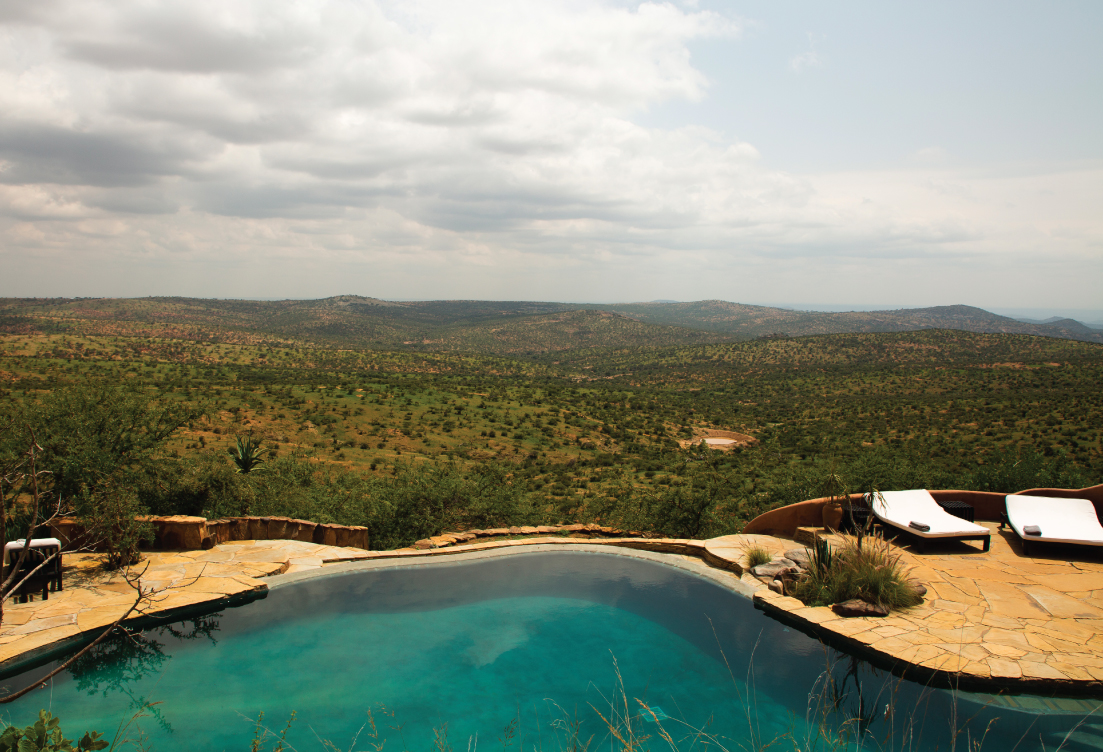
(758, 555)
(864, 569)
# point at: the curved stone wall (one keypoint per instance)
(183, 532)
(988, 505)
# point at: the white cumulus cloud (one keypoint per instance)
(421, 145)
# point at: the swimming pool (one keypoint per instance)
(506, 651)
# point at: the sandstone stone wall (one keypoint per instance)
(182, 532)
(579, 530)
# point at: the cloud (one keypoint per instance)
(810, 58)
(423, 138)
(932, 156)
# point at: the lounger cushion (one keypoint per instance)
(1059, 520)
(901, 508)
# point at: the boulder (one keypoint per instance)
(326, 534)
(257, 528)
(301, 530)
(351, 536)
(799, 556)
(787, 581)
(771, 569)
(229, 529)
(857, 607)
(919, 588)
(180, 531)
(277, 528)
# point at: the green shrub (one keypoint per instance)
(416, 501)
(113, 519)
(45, 736)
(1010, 472)
(867, 571)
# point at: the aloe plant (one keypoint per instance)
(247, 454)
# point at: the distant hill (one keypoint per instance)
(493, 327)
(1071, 325)
(350, 321)
(748, 321)
(1094, 325)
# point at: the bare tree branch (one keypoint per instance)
(17, 475)
(145, 597)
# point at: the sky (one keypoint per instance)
(863, 154)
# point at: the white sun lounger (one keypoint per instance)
(911, 510)
(1057, 520)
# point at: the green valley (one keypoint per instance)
(495, 419)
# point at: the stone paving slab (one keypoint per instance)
(94, 598)
(993, 620)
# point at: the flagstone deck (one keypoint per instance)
(995, 620)
(93, 598)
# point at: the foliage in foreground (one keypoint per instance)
(863, 568)
(45, 735)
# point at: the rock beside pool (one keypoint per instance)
(919, 588)
(785, 581)
(848, 609)
(771, 569)
(799, 556)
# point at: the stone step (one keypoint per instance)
(809, 535)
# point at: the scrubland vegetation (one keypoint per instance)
(412, 444)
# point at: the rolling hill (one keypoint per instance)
(493, 327)
(746, 321)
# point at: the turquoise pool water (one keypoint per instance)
(533, 642)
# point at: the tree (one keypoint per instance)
(96, 434)
(21, 471)
(99, 449)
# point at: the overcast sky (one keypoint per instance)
(864, 153)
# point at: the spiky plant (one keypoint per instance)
(247, 454)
